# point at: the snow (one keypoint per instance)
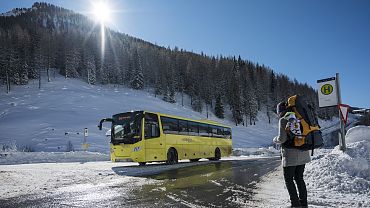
(22, 179)
(261, 151)
(47, 119)
(14, 12)
(10, 158)
(358, 133)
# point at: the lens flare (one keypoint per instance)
(101, 11)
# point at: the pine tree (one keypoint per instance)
(197, 104)
(24, 74)
(235, 97)
(90, 69)
(171, 87)
(137, 81)
(253, 107)
(71, 63)
(158, 86)
(219, 107)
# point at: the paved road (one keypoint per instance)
(217, 184)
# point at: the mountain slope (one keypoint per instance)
(38, 119)
(47, 37)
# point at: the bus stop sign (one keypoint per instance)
(327, 92)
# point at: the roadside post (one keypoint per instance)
(85, 145)
(329, 96)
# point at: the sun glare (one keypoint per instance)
(101, 11)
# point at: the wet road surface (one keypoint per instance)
(216, 184)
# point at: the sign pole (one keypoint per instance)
(342, 142)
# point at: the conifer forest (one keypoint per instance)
(56, 39)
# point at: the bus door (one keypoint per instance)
(154, 142)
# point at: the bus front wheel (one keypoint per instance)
(172, 157)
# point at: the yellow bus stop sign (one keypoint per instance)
(327, 89)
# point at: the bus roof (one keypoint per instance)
(206, 121)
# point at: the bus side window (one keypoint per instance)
(217, 131)
(193, 128)
(204, 130)
(151, 126)
(183, 127)
(227, 133)
(170, 125)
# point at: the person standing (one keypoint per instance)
(293, 161)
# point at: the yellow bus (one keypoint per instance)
(143, 137)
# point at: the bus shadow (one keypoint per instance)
(154, 169)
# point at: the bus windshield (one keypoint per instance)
(126, 127)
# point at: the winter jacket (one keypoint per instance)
(290, 157)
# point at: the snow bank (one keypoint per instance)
(358, 133)
(345, 172)
(333, 179)
(262, 151)
(11, 158)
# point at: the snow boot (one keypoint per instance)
(303, 203)
(295, 204)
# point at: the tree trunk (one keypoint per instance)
(7, 82)
(207, 109)
(47, 71)
(88, 76)
(182, 98)
(39, 79)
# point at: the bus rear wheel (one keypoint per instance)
(172, 157)
(217, 155)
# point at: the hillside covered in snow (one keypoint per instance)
(50, 118)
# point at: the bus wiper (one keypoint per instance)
(100, 126)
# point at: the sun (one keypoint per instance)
(101, 11)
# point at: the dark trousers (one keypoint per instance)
(296, 173)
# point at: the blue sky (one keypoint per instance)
(306, 39)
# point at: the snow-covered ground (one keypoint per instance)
(12, 158)
(18, 180)
(333, 178)
(36, 178)
(47, 119)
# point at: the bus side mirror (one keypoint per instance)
(100, 126)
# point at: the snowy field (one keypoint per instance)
(47, 119)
